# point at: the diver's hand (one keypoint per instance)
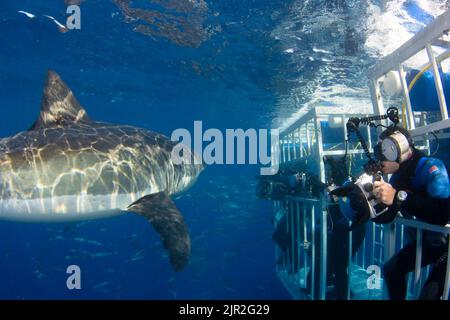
(384, 192)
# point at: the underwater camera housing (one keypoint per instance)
(357, 200)
(356, 197)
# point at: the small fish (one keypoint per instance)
(94, 242)
(39, 273)
(321, 50)
(29, 15)
(137, 256)
(103, 254)
(101, 285)
(80, 224)
(61, 28)
(74, 257)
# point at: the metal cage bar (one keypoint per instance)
(445, 294)
(418, 263)
(313, 251)
(409, 112)
(437, 82)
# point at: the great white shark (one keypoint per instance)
(69, 167)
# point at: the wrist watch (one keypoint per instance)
(401, 197)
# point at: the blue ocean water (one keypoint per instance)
(122, 76)
(161, 65)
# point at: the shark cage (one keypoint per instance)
(316, 256)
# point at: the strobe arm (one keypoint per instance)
(372, 166)
(391, 114)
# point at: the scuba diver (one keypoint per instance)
(419, 186)
(291, 179)
(338, 240)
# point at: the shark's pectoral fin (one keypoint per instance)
(164, 216)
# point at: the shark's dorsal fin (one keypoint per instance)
(59, 106)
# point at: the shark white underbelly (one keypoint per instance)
(67, 208)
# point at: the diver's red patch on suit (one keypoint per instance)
(433, 169)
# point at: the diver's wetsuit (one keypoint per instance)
(427, 183)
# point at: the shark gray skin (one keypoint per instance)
(69, 167)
